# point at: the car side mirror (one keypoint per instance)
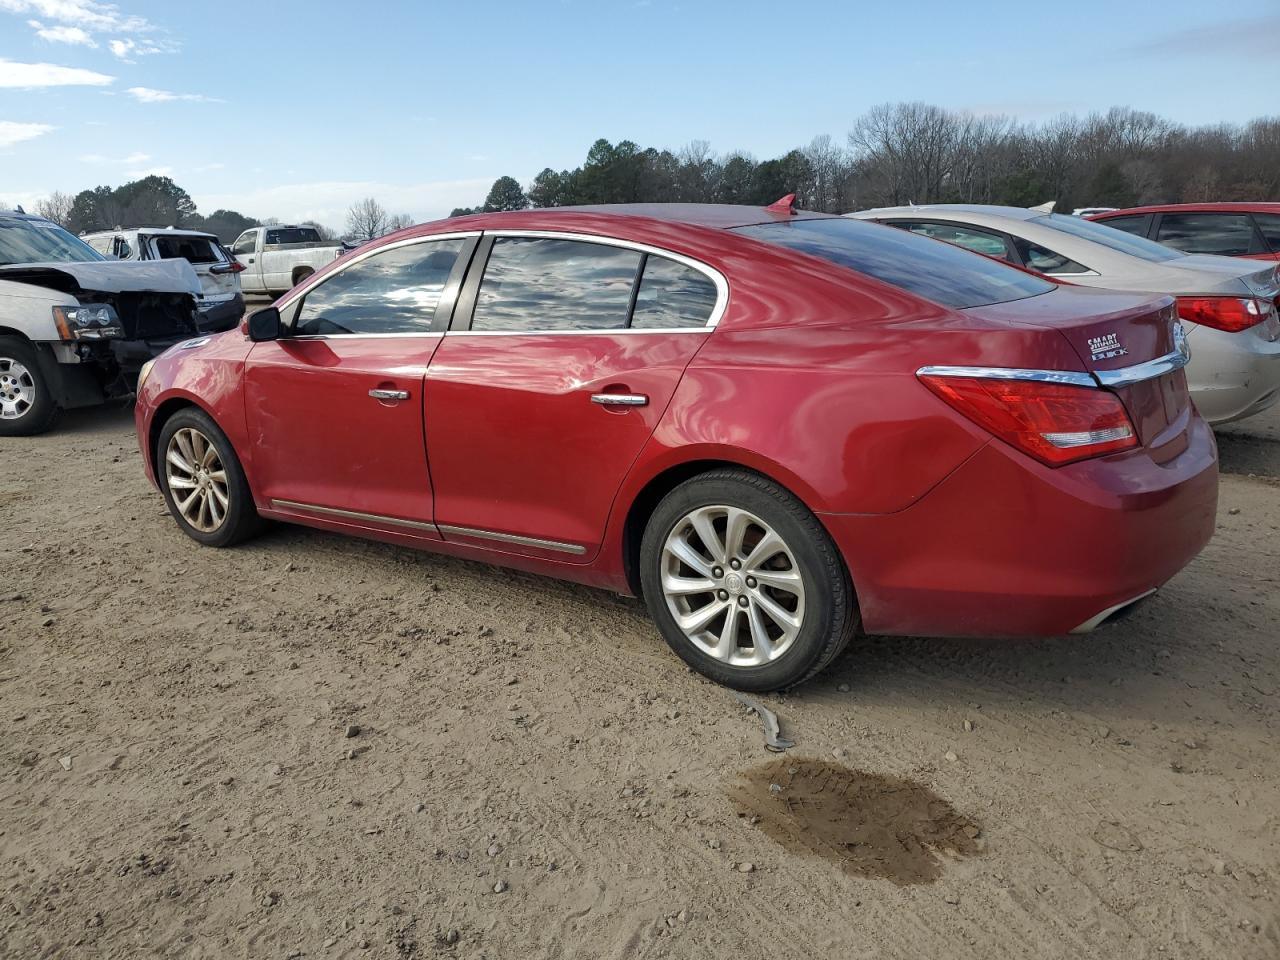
(264, 325)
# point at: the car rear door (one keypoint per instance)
(563, 355)
(1219, 234)
(335, 406)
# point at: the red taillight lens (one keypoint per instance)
(1054, 422)
(1232, 314)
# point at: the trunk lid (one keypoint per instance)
(1111, 331)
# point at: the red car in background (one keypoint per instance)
(776, 427)
(1225, 229)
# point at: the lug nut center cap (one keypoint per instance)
(733, 583)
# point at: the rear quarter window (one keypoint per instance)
(931, 269)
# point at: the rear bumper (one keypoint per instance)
(1006, 547)
(1232, 375)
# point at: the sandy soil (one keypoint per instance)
(530, 773)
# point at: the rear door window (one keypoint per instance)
(672, 295)
(1136, 223)
(1044, 260)
(393, 291)
(536, 283)
(292, 235)
(941, 272)
(1224, 234)
(1269, 224)
(979, 241)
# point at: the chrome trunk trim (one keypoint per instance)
(1175, 359)
(1011, 373)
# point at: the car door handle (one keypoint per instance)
(620, 399)
(389, 394)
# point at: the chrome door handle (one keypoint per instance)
(389, 394)
(620, 399)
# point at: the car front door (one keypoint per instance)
(562, 358)
(335, 406)
(245, 250)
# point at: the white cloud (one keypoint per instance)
(149, 172)
(327, 202)
(97, 158)
(11, 132)
(89, 14)
(129, 48)
(150, 95)
(27, 76)
(62, 34)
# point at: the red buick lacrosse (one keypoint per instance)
(778, 428)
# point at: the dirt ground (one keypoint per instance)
(318, 747)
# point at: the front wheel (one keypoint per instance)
(27, 406)
(203, 483)
(744, 583)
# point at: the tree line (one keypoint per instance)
(899, 153)
(895, 153)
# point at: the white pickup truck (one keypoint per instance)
(277, 259)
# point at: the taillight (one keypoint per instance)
(235, 266)
(1056, 423)
(1232, 314)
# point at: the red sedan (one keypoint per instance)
(1226, 229)
(778, 428)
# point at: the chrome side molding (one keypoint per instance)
(539, 544)
(354, 515)
(1175, 359)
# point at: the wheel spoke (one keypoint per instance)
(770, 545)
(218, 476)
(220, 494)
(759, 634)
(698, 619)
(685, 586)
(728, 641)
(215, 514)
(788, 580)
(183, 437)
(176, 458)
(683, 550)
(735, 529)
(182, 483)
(777, 613)
(702, 523)
(184, 507)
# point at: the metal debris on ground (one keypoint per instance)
(773, 739)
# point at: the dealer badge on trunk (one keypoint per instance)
(1106, 347)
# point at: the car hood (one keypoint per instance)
(161, 276)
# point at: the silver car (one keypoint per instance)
(1229, 307)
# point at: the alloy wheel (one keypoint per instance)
(732, 585)
(197, 479)
(17, 389)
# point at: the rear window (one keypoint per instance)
(1108, 236)
(293, 235)
(937, 271)
(192, 249)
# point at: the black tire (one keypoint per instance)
(240, 519)
(40, 412)
(302, 275)
(830, 617)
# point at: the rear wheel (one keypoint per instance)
(301, 275)
(744, 583)
(27, 406)
(203, 483)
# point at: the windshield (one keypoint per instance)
(932, 269)
(41, 241)
(1111, 237)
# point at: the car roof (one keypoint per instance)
(174, 231)
(720, 216)
(1231, 207)
(943, 209)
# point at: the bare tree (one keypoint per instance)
(56, 207)
(367, 220)
(399, 222)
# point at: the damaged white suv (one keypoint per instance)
(75, 328)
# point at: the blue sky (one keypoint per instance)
(296, 109)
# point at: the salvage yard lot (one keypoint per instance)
(316, 746)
